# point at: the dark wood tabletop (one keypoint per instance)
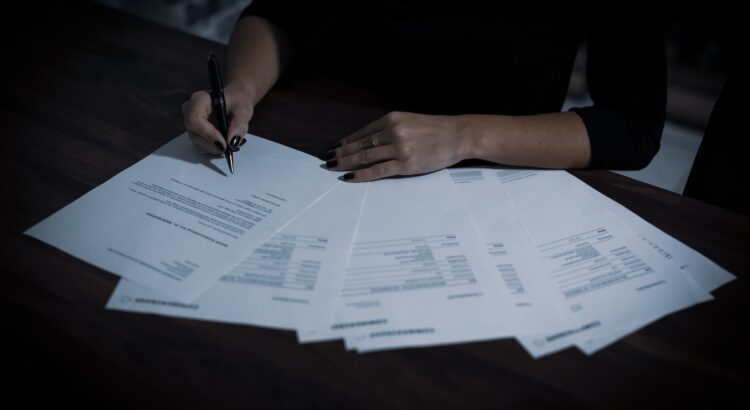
(94, 90)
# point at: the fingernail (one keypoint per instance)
(347, 176)
(244, 140)
(332, 163)
(329, 155)
(219, 146)
(235, 141)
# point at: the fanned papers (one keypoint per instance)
(175, 223)
(455, 256)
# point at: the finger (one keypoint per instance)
(368, 129)
(362, 158)
(204, 145)
(381, 138)
(196, 113)
(378, 171)
(239, 124)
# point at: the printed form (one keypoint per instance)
(418, 267)
(175, 222)
(604, 273)
(509, 249)
(454, 256)
(707, 274)
(291, 280)
(547, 304)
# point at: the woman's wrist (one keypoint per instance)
(466, 139)
(474, 135)
(245, 94)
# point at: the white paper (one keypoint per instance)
(291, 280)
(437, 259)
(507, 245)
(260, 147)
(707, 274)
(418, 269)
(511, 251)
(175, 222)
(605, 274)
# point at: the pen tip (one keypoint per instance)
(230, 161)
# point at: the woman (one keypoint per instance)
(463, 80)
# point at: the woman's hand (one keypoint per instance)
(399, 144)
(197, 112)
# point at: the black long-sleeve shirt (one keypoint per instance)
(461, 57)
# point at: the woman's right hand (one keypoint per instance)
(204, 134)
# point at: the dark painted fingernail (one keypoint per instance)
(332, 163)
(244, 140)
(219, 146)
(329, 155)
(235, 141)
(347, 176)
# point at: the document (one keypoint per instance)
(511, 250)
(507, 246)
(606, 276)
(457, 255)
(704, 272)
(708, 275)
(258, 147)
(418, 269)
(291, 280)
(175, 222)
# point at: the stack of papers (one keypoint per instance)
(455, 256)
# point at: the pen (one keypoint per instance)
(220, 106)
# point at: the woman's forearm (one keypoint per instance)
(258, 53)
(555, 140)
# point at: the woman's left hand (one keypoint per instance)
(399, 144)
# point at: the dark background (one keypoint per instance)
(44, 357)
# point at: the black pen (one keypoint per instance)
(220, 106)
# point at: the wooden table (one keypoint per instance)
(95, 90)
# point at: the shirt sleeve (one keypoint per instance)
(626, 71)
